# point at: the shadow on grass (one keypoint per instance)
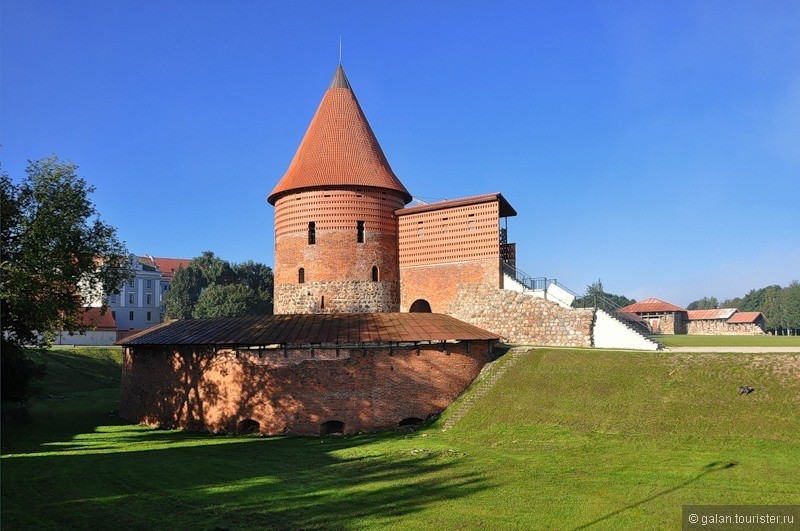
(145, 478)
(708, 469)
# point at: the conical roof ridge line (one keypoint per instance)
(339, 148)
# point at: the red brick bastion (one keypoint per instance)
(299, 374)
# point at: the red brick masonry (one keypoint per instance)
(294, 390)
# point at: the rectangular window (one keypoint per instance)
(312, 233)
(114, 315)
(148, 316)
(360, 225)
(130, 284)
(149, 298)
(113, 299)
(131, 298)
(130, 316)
(149, 283)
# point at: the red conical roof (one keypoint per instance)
(339, 148)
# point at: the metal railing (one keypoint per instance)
(590, 300)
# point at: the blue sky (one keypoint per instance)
(655, 145)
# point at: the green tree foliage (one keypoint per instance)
(224, 300)
(212, 287)
(596, 296)
(735, 302)
(706, 303)
(57, 256)
(780, 306)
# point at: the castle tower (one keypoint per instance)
(336, 234)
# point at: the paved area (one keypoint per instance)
(733, 349)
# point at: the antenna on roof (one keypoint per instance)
(340, 48)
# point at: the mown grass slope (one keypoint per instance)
(728, 341)
(565, 439)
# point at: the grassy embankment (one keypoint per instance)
(565, 439)
(728, 341)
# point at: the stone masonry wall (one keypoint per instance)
(718, 327)
(522, 318)
(296, 390)
(355, 296)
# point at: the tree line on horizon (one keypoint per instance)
(780, 306)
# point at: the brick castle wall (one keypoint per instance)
(439, 284)
(336, 256)
(522, 318)
(297, 390)
(718, 327)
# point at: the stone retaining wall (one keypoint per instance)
(354, 296)
(521, 318)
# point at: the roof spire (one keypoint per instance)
(340, 79)
(340, 48)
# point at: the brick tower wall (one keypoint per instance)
(294, 390)
(445, 248)
(337, 267)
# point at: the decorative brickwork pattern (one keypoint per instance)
(296, 390)
(521, 318)
(351, 296)
(337, 256)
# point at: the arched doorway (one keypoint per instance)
(332, 427)
(248, 426)
(420, 306)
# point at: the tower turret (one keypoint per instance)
(336, 234)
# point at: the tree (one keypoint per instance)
(225, 300)
(706, 303)
(596, 296)
(57, 256)
(731, 303)
(212, 287)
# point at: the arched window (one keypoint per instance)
(312, 233)
(374, 273)
(301, 275)
(360, 227)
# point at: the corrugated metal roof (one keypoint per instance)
(339, 148)
(303, 329)
(506, 210)
(719, 313)
(651, 305)
(744, 317)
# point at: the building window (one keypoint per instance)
(149, 299)
(312, 233)
(149, 317)
(360, 225)
(165, 287)
(149, 283)
(130, 284)
(114, 315)
(301, 275)
(131, 298)
(374, 273)
(130, 316)
(113, 299)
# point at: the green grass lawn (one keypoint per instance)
(728, 341)
(565, 439)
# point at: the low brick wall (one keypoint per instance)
(718, 327)
(296, 390)
(522, 318)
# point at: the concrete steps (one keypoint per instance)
(485, 380)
